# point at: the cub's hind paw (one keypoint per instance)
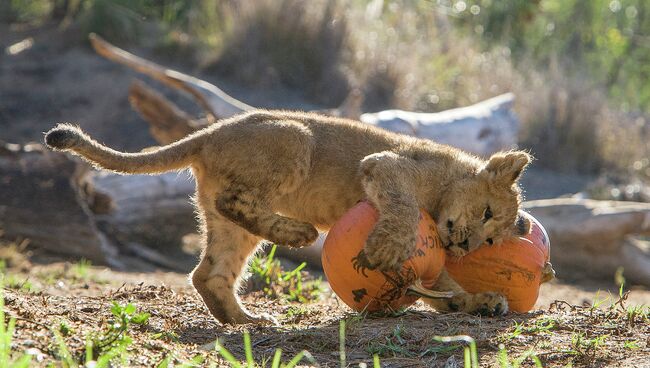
(492, 304)
(484, 304)
(263, 319)
(243, 317)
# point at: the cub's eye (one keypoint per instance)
(487, 214)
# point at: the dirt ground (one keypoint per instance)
(563, 330)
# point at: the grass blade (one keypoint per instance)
(248, 349)
(303, 354)
(342, 357)
(227, 355)
(89, 351)
(470, 353)
(64, 353)
(276, 359)
(165, 362)
(375, 361)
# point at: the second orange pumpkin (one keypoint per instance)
(516, 268)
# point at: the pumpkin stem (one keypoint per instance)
(548, 273)
(418, 289)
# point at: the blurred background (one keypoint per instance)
(579, 68)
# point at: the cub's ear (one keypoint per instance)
(506, 167)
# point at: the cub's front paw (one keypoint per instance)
(484, 304)
(387, 252)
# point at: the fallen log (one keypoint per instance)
(597, 237)
(484, 128)
(41, 200)
(212, 99)
(167, 122)
(152, 212)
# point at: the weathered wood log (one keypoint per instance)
(41, 200)
(212, 99)
(167, 122)
(152, 212)
(484, 128)
(597, 237)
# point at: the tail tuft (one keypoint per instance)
(63, 137)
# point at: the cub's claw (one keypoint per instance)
(360, 263)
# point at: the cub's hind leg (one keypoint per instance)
(217, 276)
(248, 207)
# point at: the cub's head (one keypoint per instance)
(483, 208)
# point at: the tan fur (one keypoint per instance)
(279, 175)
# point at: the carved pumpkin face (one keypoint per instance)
(372, 290)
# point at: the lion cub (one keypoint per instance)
(280, 175)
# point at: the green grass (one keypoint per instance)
(304, 355)
(506, 361)
(541, 325)
(81, 269)
(64, 329)
(18, 283)
(636, 313)
(267, 275)
(7, 329)
(470, 354)
(631, 344)
(103, 348)
(15, 282)
(114, 342)
(586, 348)
(250, 362)
(169, 336)
(393, 345)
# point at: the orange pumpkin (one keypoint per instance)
(373, 290)
(516, 268)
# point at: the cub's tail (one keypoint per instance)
(176, 156)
